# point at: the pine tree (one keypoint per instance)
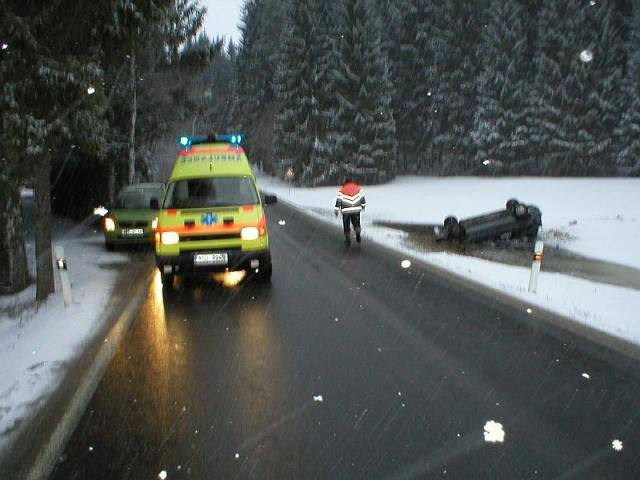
(628, 130)
(500, 132)
(411, 49)
(362, 132)
(573, 111)
(255, 106)
(453, 36)
(297, 110)
(51, 89)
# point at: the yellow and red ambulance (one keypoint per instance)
(212, 216)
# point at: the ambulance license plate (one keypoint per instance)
(132, 232)
(210, 259)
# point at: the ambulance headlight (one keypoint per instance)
(154, 223)
(169, 238)
(109, 224)
(184, 141)
(249, 233)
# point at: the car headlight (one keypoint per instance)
(154, 223)
(249, 233)
(169, 238)
(109, 224)
(100, 210)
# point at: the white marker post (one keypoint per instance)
(61, 262)
(289, 175)
(535, 265)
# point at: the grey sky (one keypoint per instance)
(223, 18)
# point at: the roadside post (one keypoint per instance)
(535, 265)
(289, 175)
(61, 262)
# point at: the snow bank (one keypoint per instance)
(37, 341)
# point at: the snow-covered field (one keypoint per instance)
(37, 342)
(597, 218)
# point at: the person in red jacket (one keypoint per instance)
(350, 202)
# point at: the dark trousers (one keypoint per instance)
(351, 218)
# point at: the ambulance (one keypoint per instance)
(212, 216)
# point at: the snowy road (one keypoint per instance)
(350, 365)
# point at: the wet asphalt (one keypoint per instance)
(350, 366)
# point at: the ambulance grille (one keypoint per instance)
(199, 238)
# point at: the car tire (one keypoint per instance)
(110, 246)
(511, 205)
(449, 222)
(520, 211)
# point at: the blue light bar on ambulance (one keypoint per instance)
(235, 139)
(232, 138)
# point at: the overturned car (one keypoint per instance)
(516, 221)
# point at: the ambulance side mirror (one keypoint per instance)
(153, 204)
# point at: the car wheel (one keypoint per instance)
(110, 246)
(450, 221)
(520, 211)
(512, 203)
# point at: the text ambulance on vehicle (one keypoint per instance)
(212, 216)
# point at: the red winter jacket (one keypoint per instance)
(350, 199)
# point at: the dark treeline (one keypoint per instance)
(375, 88)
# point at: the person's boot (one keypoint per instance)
(347, 239)
(358, 236)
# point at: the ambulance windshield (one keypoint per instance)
(211, 192)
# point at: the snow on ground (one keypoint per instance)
(597, 218)
(36, 342)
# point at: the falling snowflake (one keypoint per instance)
(586, 375)
(318, 398)
(617, 445)
(162, 475)
(282, 222)
(237, 455)
(586, 55)
(405, 263)
(529, 310)
(493, 432)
